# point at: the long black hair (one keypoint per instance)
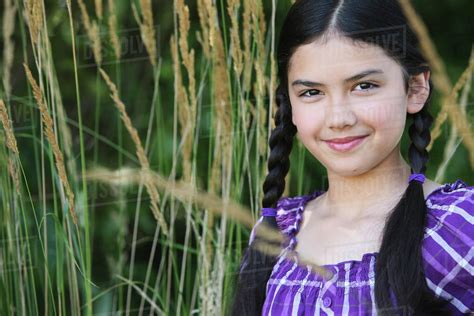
(399, 265)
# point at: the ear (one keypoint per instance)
(418, 92)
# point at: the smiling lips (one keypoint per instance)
(346, 143)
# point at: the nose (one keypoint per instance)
(339, 113)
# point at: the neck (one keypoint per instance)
(374, 192)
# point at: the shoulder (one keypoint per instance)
(287, 213)
(448, 245)
(451, 193)
(451, 209)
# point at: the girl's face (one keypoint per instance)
(343, 88)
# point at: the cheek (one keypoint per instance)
(386, 115)
(308, 120)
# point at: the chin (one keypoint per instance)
(348, 170)
(348, 173)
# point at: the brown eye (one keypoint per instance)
(366, 86)
(310, 93)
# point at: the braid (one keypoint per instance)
(399, 265)
(420, 138)
(281, 141)
(256, 265)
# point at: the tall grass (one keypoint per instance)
(90, 122)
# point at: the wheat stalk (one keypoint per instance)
(49, 132)
(140, 151)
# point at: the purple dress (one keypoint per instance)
(447, 250)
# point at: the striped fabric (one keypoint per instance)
(348, 287)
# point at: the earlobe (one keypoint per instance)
(418, 92)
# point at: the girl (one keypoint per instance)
(390, 241)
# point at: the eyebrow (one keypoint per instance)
(358, 76)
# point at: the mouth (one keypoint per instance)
(345, 144)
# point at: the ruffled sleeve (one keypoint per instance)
(448, 247)
(283, 206)
(288, 215)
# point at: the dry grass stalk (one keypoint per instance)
(428, 48)
(248, 59)
(49, 132)
(99, 9)
(248, 6)
(458, 118)
(273, 72)
(112, 23)
(64, 130)
(222, 158)
(34, 16)
(259, 29)
(186, 53)
(184, 192)
(208, 14)
(140, 151)
(246, 36)
(188, 194)
(147, 29)
(92, 31)
(453, 142)
(13, 168)
(205, 21)
(236, 50)
(9, 14)
(223, 110)
(7, 126)
(14, 172)
(209, 19)
(188, 62)
(184, 113)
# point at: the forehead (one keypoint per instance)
(337, 56)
